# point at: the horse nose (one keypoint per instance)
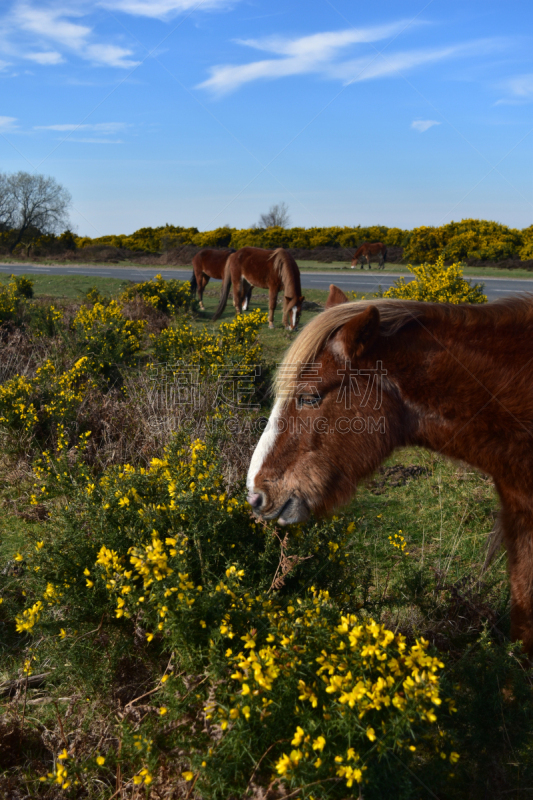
(256, 500)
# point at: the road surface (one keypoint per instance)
(347, 280)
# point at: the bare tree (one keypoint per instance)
(276, 217)
(7, 204)
(40, 204)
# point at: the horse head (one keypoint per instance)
(293, 310)
(331, 424)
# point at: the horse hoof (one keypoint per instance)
(270, 325)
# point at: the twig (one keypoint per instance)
(307, 785)
(24, 706)
(261, 759)
(65, 742)
(119, 774)
(193, 784)
(286, 563)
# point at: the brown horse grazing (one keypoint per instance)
(210, 264)
(370, 251)
(275, 270)
(364, 378)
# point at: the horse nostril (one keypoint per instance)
(255, 500)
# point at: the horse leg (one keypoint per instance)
(518, 537)
(202, 283)
(246, 293)
(237, 296)
(369, 264)
(272, 302)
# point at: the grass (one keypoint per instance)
(71, 286)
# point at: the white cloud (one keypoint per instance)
(7, 123)
(302, 55)
(100, 127)
(519, 90)
(159, 9)
(423, 125)
(320, 53)
(27, 26)
(50, 23)
(110, 55)
(321, 46)
(50, 57)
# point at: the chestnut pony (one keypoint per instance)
(367, 377)
(275, 270)
(376, 252)
(210, 264)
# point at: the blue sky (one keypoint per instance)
(206, 113)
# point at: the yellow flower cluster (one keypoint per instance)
(361, 669)
(48, 396)
(29, 617)
(233, 345)
(436, 283)
(399, 542)
(165, 295)
(9, 301)
(106, 334)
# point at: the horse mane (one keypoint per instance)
(394, 315)
(288, 271)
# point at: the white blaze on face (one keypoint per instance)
(294, 310)
(264, 445)
(245, 304)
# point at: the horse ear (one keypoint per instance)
(358, 335)
(336, 296)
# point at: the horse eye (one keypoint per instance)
(309, 400)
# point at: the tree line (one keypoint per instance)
(34, 218)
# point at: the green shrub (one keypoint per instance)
(106, 336)
(233, 344)
(435, 283)
(23, 286)
(167, 296)
(44, 405)
(293, 677)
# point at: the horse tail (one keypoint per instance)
(224, 292)
(194, 282)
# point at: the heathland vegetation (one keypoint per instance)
(158, 641)
(476, 242)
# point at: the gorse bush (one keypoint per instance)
(23, 285)
(39, 406)
(107, 336)
(12, 296)
(470, 238)
(168, 296)
(296, 679)
(436, 283)
(234, 344)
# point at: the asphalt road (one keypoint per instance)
(357, 281)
